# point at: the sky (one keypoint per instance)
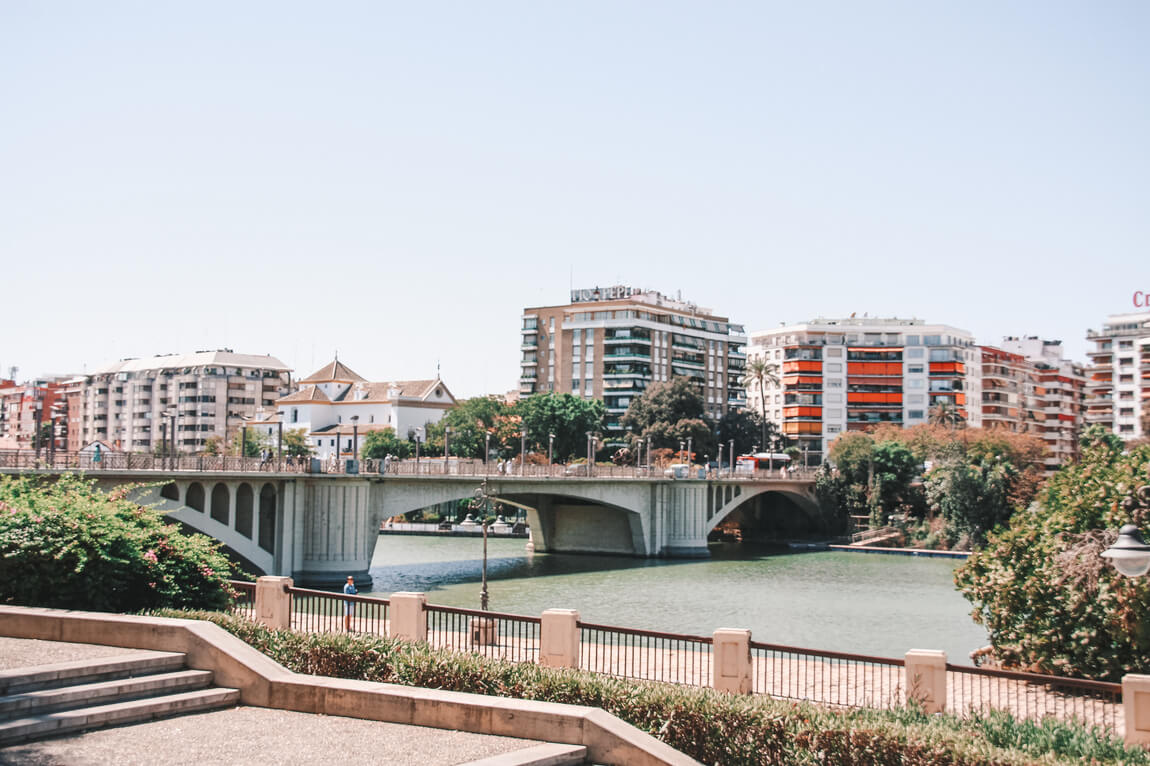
(396, 182)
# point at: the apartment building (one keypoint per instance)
(613, 342)
(1118, 383)
(853, 373)
(1058, 400)
(1009, 391)
(136, 405)
(28, 407)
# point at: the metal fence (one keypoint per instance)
(645, 654)
(244, 602)
(1034, 696)
(831, 678)
(509, 637)
(319, 611)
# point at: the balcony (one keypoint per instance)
(613, 341)
(628, 357)
(529, 375)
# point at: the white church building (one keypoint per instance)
(334, 404)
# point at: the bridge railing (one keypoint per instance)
(30, 459)
(826, 677)
(244, 601)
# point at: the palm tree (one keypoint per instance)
(761, 372)
(944, 413)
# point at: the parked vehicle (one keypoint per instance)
(765, 461)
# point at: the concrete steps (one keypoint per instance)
(546, 754)
(55, 699)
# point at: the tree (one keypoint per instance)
(470, 421)
(256, 443)
(382, 442)
(746, 427)
(760, 372)
(973, 497)
(1048, 600)
(656, 414)
(1099, 436)
(568, 417)
(944, 413)
(295, 443)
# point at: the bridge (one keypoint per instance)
(320, 527)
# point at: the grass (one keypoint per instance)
(710, 726)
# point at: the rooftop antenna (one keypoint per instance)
(437, 370)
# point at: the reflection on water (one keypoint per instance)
(853, 602)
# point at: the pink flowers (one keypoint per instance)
(150, 555)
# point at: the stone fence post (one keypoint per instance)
(407, 618)
(1136, 708)
(731, 666)
(559, 638)
(273, 603)
(926, 679)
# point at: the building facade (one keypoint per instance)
(136, 405)
(838, 375)
(612, 343)
(28, 407)
(1118, 383)
(1059, 396)
(336, 407)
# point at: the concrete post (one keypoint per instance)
(273, 603)
(407, 618)
(1136, 708)
(559, 638)
(926, 679)
(731, 665)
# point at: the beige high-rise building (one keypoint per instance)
(613, 342)
(1056, 407)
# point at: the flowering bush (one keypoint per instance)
(65, 544)
(1047, 598)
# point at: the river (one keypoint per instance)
(851, 602)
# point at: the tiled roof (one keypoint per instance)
(334, 371)
(308, 394)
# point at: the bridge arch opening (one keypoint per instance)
(221, 499)
(244, 510)
(267, 520)
(170, 491)
(195, 496)
(772, 516)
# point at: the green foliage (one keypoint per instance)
(971, 496)
(712, 727)
(1098, 435)
(568, 417)
(66, 545)
(295, 443)
(869, 478)
(749, 429)
(668, 413)
(379, 444)
(470, 422)
(1048, 600)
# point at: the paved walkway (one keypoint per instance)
(243, 735)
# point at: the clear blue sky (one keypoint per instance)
(397, 181)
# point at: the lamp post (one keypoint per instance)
(522, 451)
(690, 459)
(446, 440)
(550, 452)
(648, 454)
(682, 444)
(731, 464)
(1130, 554)
(486, 450)
(355, 437)
(481, 495)
(418, 433)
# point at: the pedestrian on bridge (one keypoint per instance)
(348, 606)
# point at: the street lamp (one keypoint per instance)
(481, 495)
(731, 464)
(446, 439)
(417, 433)
(522, 451)
(486, 450)
(648, 454)
(355, 437)
(682, 444)
(550, 452)
(1130, 554)
(689, 458)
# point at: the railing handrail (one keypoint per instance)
(645, 633)
(336, 596)
(828, 654)
(482, 613)
(1109, 687)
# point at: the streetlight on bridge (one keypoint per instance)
(1130, 554)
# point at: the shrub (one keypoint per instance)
(64, 544)
(710, 726)
(1048, 600)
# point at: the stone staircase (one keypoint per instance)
(47, 700)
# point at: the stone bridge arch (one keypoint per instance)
(728, 500)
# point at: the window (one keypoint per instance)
(294, 415)
(834, 429)
(835, 413)
(914, 414)
(914, 353)
(834, 398)
(932, 340)
(835, 352)
(912, 340)
(834, 367)
(915, 399)
(914, 383)
(913, 368)
(834, 383)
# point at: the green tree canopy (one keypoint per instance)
(1048, 600)
(567, 416)
(382, 442)
(669, 412)
(295, 443)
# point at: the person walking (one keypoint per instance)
(348, 605)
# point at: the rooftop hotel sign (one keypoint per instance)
(618, 292)
(1141, 300)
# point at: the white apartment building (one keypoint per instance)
(135, 404)
(335, 406)
(1118, 384)
(848, 374)
(1059, 396)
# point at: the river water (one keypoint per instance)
(851, 602)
